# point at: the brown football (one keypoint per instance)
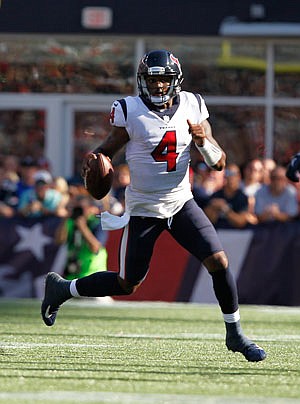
(99, 178)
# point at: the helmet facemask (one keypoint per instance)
(173, 89)
(167, 65)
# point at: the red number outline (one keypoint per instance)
(166, 150)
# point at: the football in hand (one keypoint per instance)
(99, 178)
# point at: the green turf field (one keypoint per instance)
(142, 353)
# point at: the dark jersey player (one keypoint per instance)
(293, 169)
(157, 128)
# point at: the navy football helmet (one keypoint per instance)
(293, 169)
(159, 62)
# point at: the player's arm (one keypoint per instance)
(213, 154)
(116, 139)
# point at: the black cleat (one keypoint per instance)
(237, 342)
(251, 351)
(57, 291)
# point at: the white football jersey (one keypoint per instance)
(158, 153)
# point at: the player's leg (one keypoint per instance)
(57, 291)
(192, 229)
(135, 252)
(226, 292)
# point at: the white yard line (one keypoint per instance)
(196, 336)
(161, 304)
(33, 345)
(132, 398)
(203, 336)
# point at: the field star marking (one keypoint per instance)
(32, 239)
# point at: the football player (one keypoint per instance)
(293, 169)
(157, 127)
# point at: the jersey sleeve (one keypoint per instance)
(118, 113)
(203, 108)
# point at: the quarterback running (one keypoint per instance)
(157, 128)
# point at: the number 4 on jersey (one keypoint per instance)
(166, 150)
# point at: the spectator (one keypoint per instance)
(268, 166)
(76, 189)
(6, 210)
(85, 239)
(61, 185)
(278, 200)
(228, 207)
(252, 181)
(43, 163)
(8, 189)
(11, 166)
(28, 169)
(206, 182)
(108, 203)
(42, 199)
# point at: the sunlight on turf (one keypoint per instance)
(144, 353)
(125, 398)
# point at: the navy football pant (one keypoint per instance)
(189, 227)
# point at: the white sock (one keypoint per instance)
(231, 318)
(73, 289)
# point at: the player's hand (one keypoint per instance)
(198, 132)
(293, 170)
(86, 163)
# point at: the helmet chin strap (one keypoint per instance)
(159, 101)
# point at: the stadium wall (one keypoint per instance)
(264, 260)
(188, 17)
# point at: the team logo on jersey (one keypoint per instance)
(166, 118)
(174, 59)
(112, 115)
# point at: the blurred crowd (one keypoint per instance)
(236, 197)
(29, 190)
(115, 76)
(47, 77)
